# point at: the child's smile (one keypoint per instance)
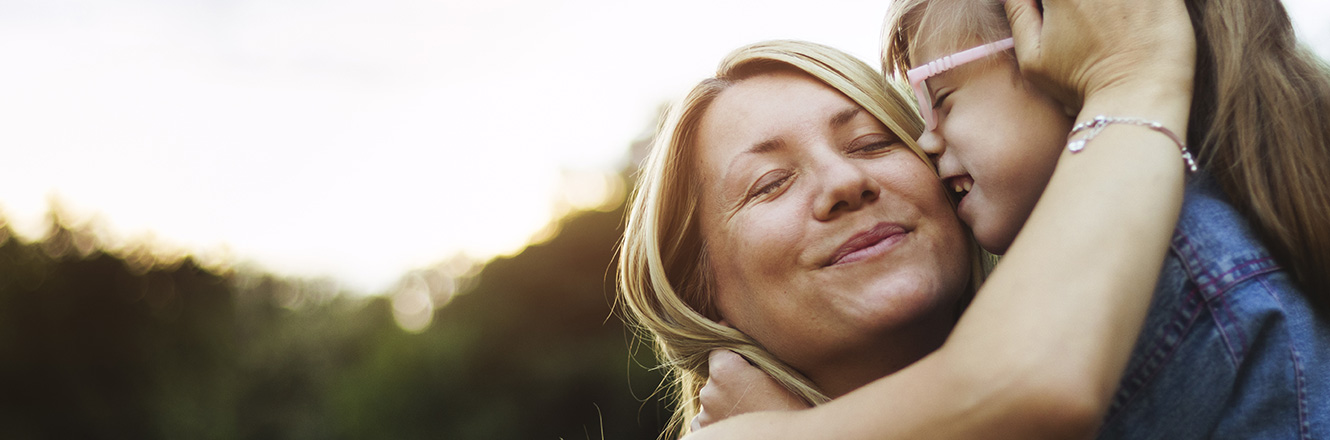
(996, 144)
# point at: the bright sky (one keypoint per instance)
(359, 139)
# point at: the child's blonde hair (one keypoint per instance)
(950, 25)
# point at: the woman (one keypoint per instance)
(943, 255)
(718, 182)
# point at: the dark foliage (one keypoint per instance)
(95, 345)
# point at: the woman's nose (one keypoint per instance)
(847, 188)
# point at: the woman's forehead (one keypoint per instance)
(764, 108)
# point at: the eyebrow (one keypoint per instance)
(766, 146)
(773, 144)
(845, 116)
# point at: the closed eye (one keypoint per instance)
(767, 186)
(877, 146)
(872, 143)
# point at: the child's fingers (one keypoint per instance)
(725, 364)
(701, 420)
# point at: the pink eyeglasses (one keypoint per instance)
(918, 75)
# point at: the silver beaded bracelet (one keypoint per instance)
(1098, 124)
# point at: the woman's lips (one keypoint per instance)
(869, 243)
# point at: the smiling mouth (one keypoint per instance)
(868, 243)
(959, 186)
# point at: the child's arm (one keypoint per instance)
(1040, 350)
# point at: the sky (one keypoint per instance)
(359, 139)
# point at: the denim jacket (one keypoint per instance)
(1230, 348)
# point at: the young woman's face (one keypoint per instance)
(998, 139)
(832, 243)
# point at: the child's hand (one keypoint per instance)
(736, 387)
(1077, 49)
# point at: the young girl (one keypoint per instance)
(1231, 346)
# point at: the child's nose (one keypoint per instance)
(932, 144)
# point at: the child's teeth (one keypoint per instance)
(958, 188)
(968, 185)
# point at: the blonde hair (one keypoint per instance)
(664, 283)
(1260, 118)
(958, 24)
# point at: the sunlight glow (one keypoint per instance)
(360, 140)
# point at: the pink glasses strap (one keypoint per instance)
(921, 73)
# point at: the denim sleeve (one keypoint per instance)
(1229, 349)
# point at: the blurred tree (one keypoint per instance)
(101, 345)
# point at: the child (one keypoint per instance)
(1231, 347)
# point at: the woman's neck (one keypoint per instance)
(896, 349)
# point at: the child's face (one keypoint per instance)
(998, 139)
